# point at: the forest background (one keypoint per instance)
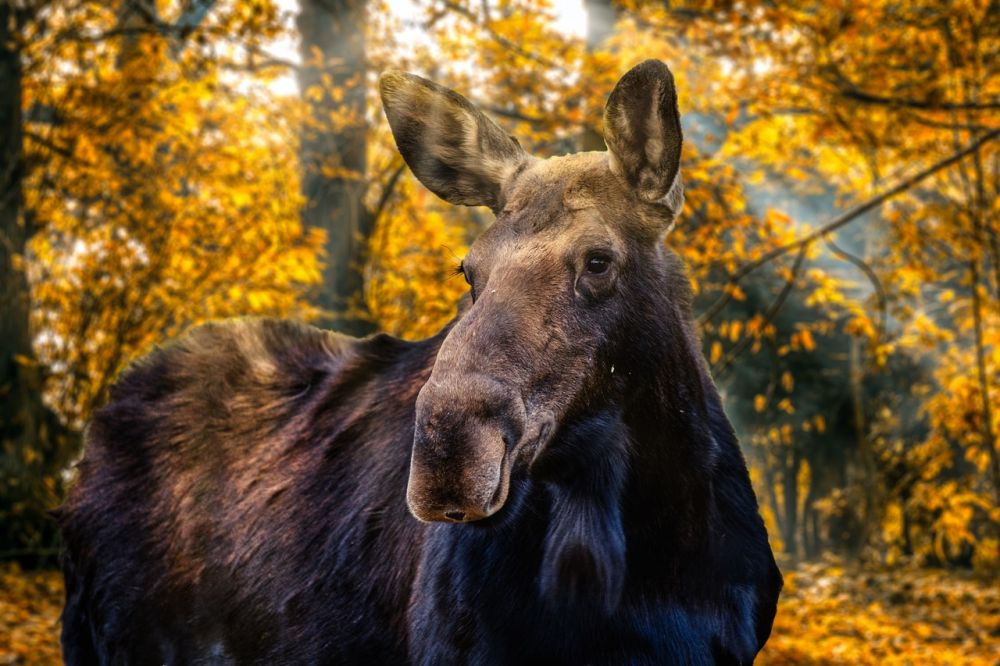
(168, 162)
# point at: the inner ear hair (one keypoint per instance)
(643, 132)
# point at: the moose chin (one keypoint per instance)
(551, 479)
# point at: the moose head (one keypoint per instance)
(575, 246)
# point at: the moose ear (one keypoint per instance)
(642, 128)
(455, 150)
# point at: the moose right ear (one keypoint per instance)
(457, 152)
(642, 128)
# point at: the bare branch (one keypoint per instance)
(863, 97)
(844, 219)
(44, 142)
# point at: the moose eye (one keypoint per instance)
(597, 264)
(468, 279)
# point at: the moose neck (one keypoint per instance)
(630, 475)
(669, 415)
(629, 478)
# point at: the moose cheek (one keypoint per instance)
(595, 288)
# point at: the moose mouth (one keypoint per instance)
(499, 498)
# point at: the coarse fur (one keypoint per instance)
(248, 494)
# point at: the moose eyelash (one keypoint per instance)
(460, 270)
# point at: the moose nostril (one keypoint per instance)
(457, 516)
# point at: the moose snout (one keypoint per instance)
(457, 488)
(465, 429)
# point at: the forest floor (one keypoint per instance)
(829, 615)
(832, 615)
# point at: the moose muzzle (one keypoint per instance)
(467, 429)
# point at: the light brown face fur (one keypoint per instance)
(548, 279)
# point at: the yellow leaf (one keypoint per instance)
(787, 381)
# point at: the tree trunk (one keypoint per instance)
(790, 497)
(811, 541)
(333, 159)
(983, 380)
(33, 443)
(600, 26)
(869, 515)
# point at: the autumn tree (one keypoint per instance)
(33, 442)
(161, 191)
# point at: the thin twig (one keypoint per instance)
(769, 316)
(880, 294)
(486, 25)
(387, 191)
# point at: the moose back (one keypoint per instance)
(551, 479)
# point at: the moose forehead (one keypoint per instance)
(571, 199)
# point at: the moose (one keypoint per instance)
(551, 479)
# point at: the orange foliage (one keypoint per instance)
(30, 603)
(167, 194)
(832, 616)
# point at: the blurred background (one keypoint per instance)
(168, 162)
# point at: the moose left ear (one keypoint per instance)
(642, 128)
(451, 146)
